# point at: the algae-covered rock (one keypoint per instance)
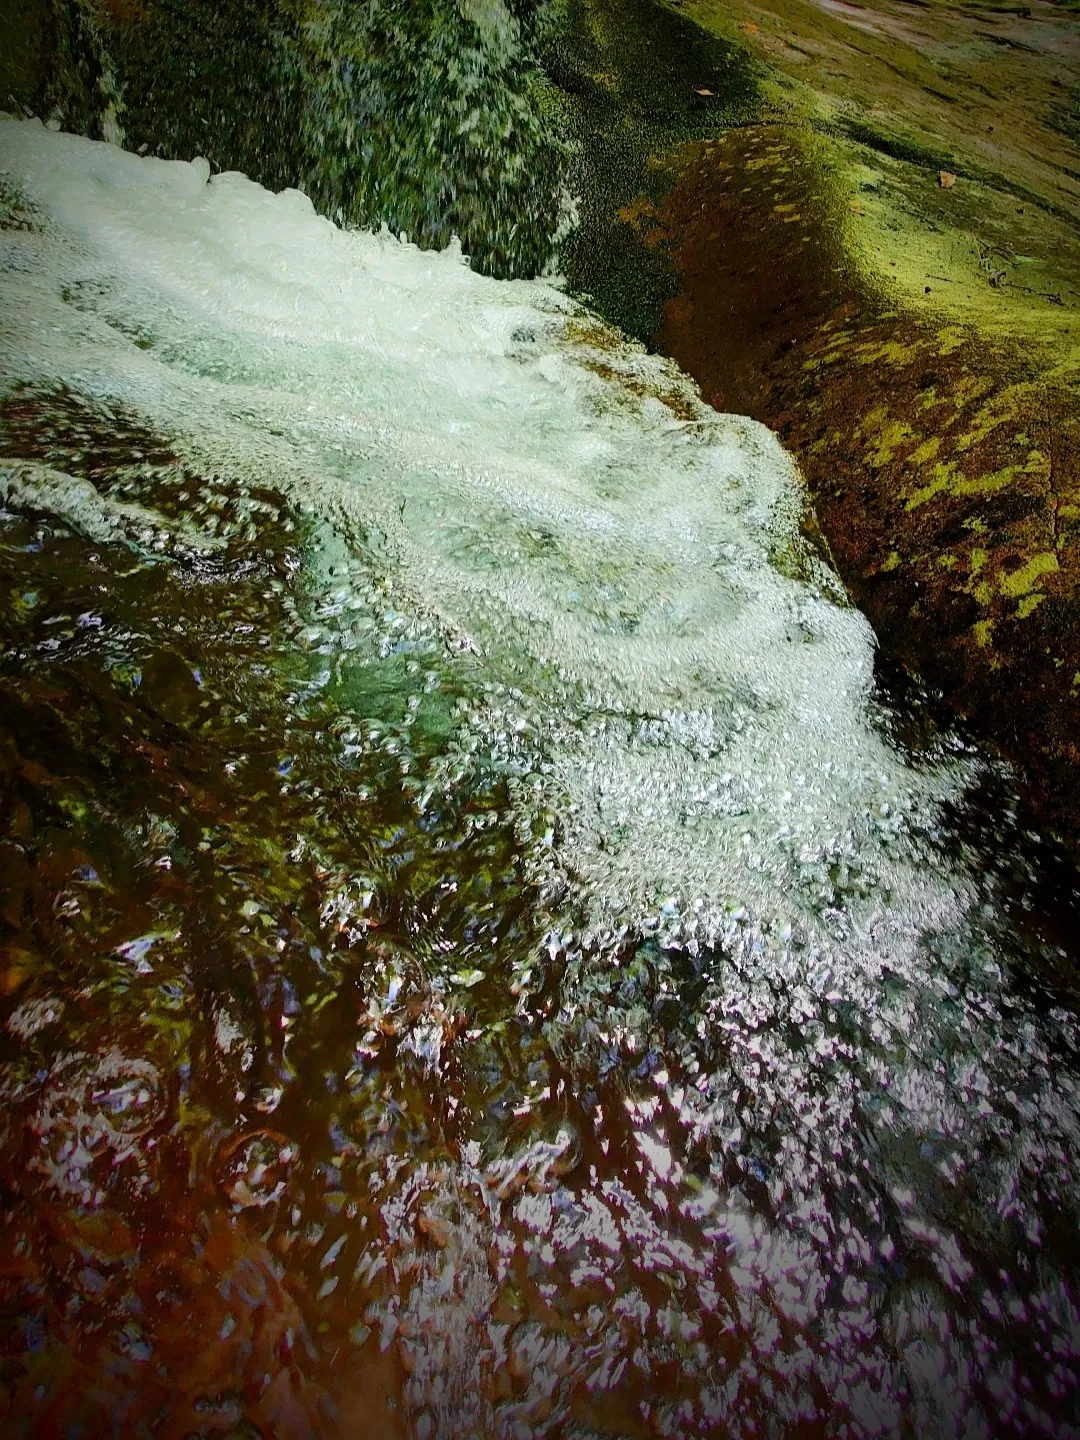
(440, 109)
(914, 341)
(55, 62)
(936, 424)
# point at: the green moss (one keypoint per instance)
(983, 633)
(926, 452)
(892, 437)
(1024, 580)
(1029, 603)
(943, 478)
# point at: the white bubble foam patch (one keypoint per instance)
(615, 559)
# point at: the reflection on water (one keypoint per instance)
(473, 961)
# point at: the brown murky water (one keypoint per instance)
(223, 943)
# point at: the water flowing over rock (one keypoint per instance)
(479, 941)
(432, 119)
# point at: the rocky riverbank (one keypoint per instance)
(877, 254)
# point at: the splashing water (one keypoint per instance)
(431, 116)
(476, 944)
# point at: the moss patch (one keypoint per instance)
(943, 457)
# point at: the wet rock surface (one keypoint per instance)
(892, 283)
(942, 459)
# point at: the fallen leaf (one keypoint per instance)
(438, 1231)
(702, 90)
(947, 179)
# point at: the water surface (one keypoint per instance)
(479, 956)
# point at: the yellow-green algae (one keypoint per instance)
(940, 440)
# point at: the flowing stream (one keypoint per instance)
(480, 957)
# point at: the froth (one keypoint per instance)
(619, 566)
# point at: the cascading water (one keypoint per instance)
(481, 963)
(433, 118)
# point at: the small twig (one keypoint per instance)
(1053, 296)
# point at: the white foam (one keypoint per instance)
(28, 485)
(698, 720)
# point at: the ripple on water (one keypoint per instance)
(475, 960)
